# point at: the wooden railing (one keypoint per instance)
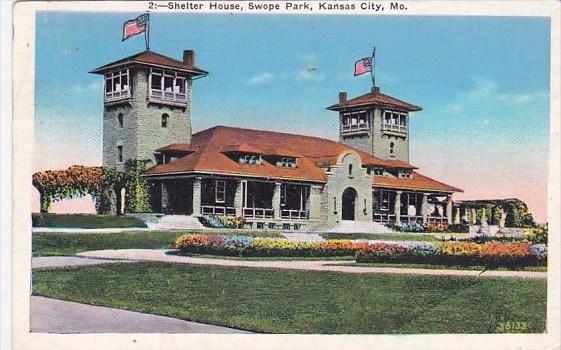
(218, 210)
(258, 213)
(117, 95)
(295, 214)
(178, 97)
(394, 128)
(411, 219)
(355, 128)
(438, 219)
(383, 217)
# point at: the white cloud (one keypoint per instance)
(261, 78)
(489, 90)
(454, 108)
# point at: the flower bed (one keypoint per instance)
(457, 253)
(249, 246)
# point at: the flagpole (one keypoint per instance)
(147, 32)
(372, 74)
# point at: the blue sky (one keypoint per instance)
(483, 83)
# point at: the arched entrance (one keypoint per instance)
(348, 204)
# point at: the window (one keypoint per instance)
(395, 122)
(405, 173)
(287, 162)
(168, 85)
(355, 122)
(119, 154)
(350, 170)
(378, 171)
(220, 191)
(165, 118)
(120, 120)
(117, 85)
(392, 149)
(252, 159)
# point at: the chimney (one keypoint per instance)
(342, 97)
(189, 58)
(375, 90)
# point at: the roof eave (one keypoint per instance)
(101, 70)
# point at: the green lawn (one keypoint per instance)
(49, 244)
(387, 237)
(289, 301)
(85, 221)
(446, 267)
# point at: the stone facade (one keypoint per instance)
(376, 141)
(142, 132)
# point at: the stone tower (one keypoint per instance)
(375, 123)
(147, 105)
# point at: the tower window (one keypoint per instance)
(117, 85)
(392, 145)
(355, 122)
(165, 120)
(166, 85)
(395, 122)
(119, 154)
(120, 120)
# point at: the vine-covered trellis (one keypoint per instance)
(103, 184)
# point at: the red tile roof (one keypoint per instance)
(151, 58)
(314, 155)
(417, 182)
(178, 148)
(375, 98)
(241, 148)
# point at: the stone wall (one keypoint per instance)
(142, 131)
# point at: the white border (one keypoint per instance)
(23, 58)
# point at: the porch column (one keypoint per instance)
(165, 197)
(277, 201)
(315, 202)
(238, 199)
(457, 216)
(473, 216)
(397, 207)
(425, 208)
(197, 196)
(449, 209)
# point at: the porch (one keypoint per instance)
(395, 206)
(270, 204)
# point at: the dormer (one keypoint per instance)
(244, 153)
(282, 158)
(405, 173)
(173, 152)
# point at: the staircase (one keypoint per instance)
(359, 227)
(176, 222)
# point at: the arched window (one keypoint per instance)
(350, 169)
(165, 119)
(392, 145)
(120, 120)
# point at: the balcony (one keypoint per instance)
(168, 97)
(118, 95)
(356, 128)
(398, 129)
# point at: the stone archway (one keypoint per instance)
(348, 201)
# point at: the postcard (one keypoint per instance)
(286, 174)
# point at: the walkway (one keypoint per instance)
(58, 316)
(309, 265)
(64, 261)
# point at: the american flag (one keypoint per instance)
(364, 65)
(135, 26)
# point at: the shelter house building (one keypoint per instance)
(271, 179)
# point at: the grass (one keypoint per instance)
(447, 267)
(56, 244)
(85, 221)
(385, 237)
(289, 301)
